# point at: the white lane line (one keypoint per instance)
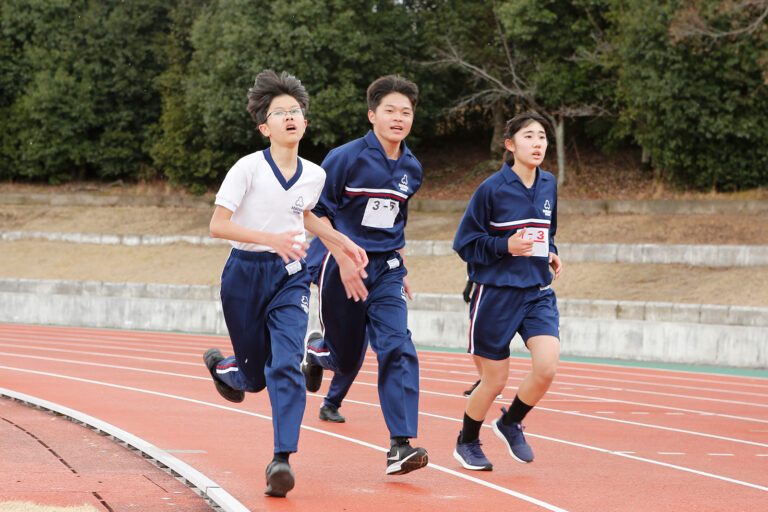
(451, 472)
(585, 415)
(115, 341)
(575, 413)
(113, 366)
(675, 395)
(614, 400)
(102, 347)
(524, 368)
(626, 454)
(656, 462)
(101, 354)
(679, 410)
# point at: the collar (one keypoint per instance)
(373, 142)
(511, 176)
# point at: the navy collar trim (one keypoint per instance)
(279, 175)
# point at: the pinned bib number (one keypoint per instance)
(380, 213)
(293, 267)
(540, 237)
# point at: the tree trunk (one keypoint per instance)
(560, 146)
(499, 124)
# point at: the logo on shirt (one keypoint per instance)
(305, 303)
(298, 206)
(547, 208)
(402, 292)
(403, 185)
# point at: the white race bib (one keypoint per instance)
(380, 212)
(540, 237)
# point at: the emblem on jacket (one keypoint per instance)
(547, 208)
(403, 185)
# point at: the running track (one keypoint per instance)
(606, 438)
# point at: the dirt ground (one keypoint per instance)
(186, 264)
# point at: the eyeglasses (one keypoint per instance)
(280, 114)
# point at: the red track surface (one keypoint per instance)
(606, 438)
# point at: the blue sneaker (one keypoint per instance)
(513, 437)
(471, 455)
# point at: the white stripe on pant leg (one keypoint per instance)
(320, 282)
(474, 318)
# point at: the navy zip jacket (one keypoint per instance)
(366, 194)
(501, 206)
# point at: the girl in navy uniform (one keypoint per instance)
(370, 181)
(262, 207)
(507, 239)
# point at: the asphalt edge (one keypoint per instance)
(210, 491)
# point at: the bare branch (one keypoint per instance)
(693, 25)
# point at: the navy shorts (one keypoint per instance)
(497, 313)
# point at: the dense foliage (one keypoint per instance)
(105, 89)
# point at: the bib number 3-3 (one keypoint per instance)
(540, 237)
(380, 213)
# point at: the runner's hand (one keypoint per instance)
(287, 247)
(517, 246)
(352, 278)
(556, 264)
(407, 288)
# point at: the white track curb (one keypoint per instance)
(187, 474)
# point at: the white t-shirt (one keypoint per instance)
(261, 199)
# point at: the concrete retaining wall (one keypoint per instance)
(696, 255)
(649, 331)
(585, 206)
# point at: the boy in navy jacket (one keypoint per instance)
(369, 182)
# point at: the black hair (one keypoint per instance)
(267, 87)
(389, 84)
(519, 122)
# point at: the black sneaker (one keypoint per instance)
(331, 413)
(313, 373)
(404, 458)
(280, 479)
(213, 357)
(469, 391)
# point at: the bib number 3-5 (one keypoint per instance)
(380, 213)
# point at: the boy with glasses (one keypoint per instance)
(263, 207)
(366, 197)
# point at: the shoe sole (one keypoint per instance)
(233, 395)
(313, 373)
(279, 483)
(414, 461)
(501, 436)
(330, 419)
(459, 458)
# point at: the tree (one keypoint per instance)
(697, 102)
(539, 61)
(87, 86)
(335, 47)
